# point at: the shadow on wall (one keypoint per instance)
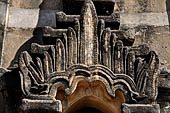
(27, 46)
(47, 12)
(168, 10)
(52, 5)
(10, 107)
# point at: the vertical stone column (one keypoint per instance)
(3, 21)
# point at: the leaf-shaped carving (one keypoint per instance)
(89, 39)
(106, 48)
(130, 64)
(95, 51)
(118, 57)
(72, 47)
(60, 56)
(153, 72)
(33, 78)
(48, 65)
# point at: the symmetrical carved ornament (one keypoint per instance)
(88, 50)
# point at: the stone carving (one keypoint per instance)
(87, 47)
(143, 108)
(91, 51)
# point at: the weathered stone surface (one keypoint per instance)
(141, 108)
(164, 89)
(156, 19)
(52, 69)
(165, 109)
(158, 39)
(28, 4)
(41, 105)
(47, 18)
(3, 13)
(140, 6)
(89, 44)
(3, 9)
(164, 83)
(50, 62)
(16, 41)
(23, 18)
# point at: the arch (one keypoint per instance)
(93, 95)
(77, 73)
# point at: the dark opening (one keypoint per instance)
(74, 7)
(88, 110)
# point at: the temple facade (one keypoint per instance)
(79, 56)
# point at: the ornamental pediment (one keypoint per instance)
(84, 51)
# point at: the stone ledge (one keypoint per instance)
(141, 108)
(47, 105)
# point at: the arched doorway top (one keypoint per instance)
(93, 95)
